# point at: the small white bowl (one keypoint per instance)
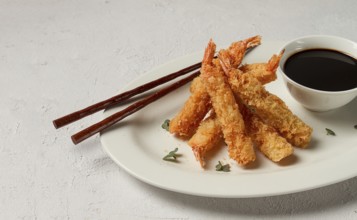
(313, 99)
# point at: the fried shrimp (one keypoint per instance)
(194, 110)
(209, 132)
(264, 72)
(237, 49)
(268, 141)
(186, 122)
(228, 102)
(271, 109)
(271, 144)
(207, 136)
(240, 147)
(265, 137)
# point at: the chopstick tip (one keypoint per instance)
(74, 140)
(54, 122)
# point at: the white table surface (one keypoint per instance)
(58, 56)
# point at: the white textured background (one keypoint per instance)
(57, 56)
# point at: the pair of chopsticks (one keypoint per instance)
(113, 119)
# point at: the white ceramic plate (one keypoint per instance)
(138, 144)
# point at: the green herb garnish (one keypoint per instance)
(221, 167)
(330, 132)
(171, 156)
(166, 124)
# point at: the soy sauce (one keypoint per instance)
(322, 69)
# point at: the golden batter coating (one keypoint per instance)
(209, 132)
(266, 138)
(268, 141)
(271, 109)
(207, 136)
(240, 146)
(264, 72)
(186, 122)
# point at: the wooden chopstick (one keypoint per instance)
(111, 120)
(67, 119)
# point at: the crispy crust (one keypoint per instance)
(207, 136)
(187, 120)
(268, 141)
(270, 108)
(266, 138)
(264, 72)
(240, 146)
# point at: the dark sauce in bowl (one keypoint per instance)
(322, 69)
